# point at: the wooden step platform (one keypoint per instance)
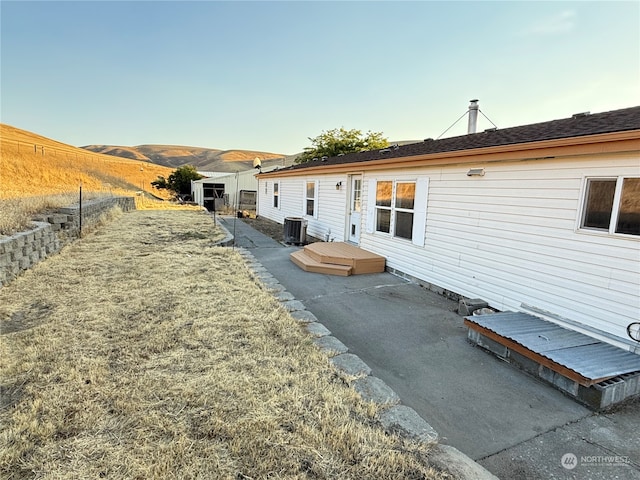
(337, 258)
(594, 372)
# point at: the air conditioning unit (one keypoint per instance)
(295, 230)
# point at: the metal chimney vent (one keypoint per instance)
(473, 116)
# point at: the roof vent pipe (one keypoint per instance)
(473, 116)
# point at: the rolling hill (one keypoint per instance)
(34, 165)
(204, 159)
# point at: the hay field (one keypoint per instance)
(36, 165)
(39, 174)
(143, 351)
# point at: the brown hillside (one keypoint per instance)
(36, 165)
(125, 152)
(204, 159)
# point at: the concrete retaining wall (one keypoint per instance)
(23, 250)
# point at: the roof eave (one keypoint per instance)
(625, 141)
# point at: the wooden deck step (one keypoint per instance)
(310, 264)
(341, 253)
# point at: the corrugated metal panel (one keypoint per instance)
(585, 355)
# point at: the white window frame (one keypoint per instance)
(393, 209)
(275, 202)
(396, 209)
(615, 209)
(314, 198)
(379, 208)
(418, 235)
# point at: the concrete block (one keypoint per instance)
(57, 218)
(5, 260)
(304, 316)
(316, 329)
(488, 344)
(351, 364)
(546, 373)
(372, 389)
(449, 459)
(293, 305)
(467, 306)
(525, 363)
(269, 282)
(274, 286)
(565, 384)
(558, 380)
(284, 296)
(257, 268)
(405, 421)
(330, 345)
(632, 383)
(264, 276)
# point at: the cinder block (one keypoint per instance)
(5, 260)
(565, 384)
(488, 344)
(524, 363)
(467, 306)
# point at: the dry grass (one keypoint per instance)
(34, 165)
(16, 214)
(144, 351)
(39, 174)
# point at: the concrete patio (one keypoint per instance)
(514, 425)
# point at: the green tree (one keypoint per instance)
(339, 140)
(179, 181)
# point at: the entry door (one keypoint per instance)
(355, 209)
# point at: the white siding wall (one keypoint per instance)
(232, 185)
(197, 192)
(510, 238)
(331, 206)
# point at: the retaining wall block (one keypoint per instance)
(5, 260)
(25, 249)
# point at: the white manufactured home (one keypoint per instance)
(542, 218)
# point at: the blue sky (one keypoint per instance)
(268, 75)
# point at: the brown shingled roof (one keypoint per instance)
(576, 126)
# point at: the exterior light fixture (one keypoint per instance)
(338, 185)
(475, 172)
